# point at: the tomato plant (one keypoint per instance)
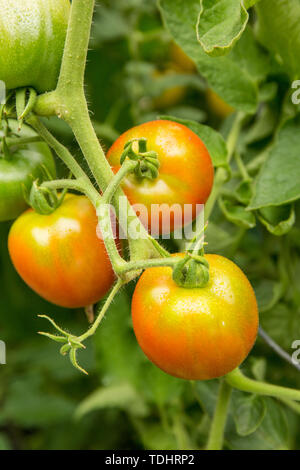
(215, 379)
(50, 254)
(32, 40)
(200, 333)
(185, 175)
(22, 164)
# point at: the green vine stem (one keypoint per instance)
(73, 343)
(82, 183)
(76, 185)
(68, 102)
(91, 331)
(238, 380)
(216, 435)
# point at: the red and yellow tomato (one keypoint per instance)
(60, 255)
(185, 176)
(199, 333)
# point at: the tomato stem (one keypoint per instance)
(216, 435)
(68, 102)
(91, 331)
(239, 381)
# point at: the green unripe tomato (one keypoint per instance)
(32, 38)
(25, 164)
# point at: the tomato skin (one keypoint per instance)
(60, 256)
(32, 37)
(196, 334)
(185, 176)
(17, 172)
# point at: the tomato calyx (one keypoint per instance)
(25, 102)
(43, 200)
(191, 272)
(147, 161)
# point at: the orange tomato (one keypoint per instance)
(200, 333)
(60, 256)
(185, 176)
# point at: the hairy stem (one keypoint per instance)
(91, 331)
(239, 381)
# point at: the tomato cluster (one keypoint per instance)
(194, 333)
(198, 333)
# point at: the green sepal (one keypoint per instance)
(191, 272)
(43, 200)
(148, 163)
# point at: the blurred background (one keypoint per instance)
(136, 73)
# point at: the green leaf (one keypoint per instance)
(268, 294)
(259, 368)
(282, 324)
(217, 237)
(220, 25)
(229, 76)
(278, 220)
(161, 388)
(278, 181)
(272, 434)
(214, 142)
(243, 192)
(248, 413)
(278, 29)
(237, 214)
(122, 396)
(263, 126)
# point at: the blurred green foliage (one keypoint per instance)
(126, 402)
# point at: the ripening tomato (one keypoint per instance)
(32, 38)
(185, 176)
(196, 334)
(60, 256)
